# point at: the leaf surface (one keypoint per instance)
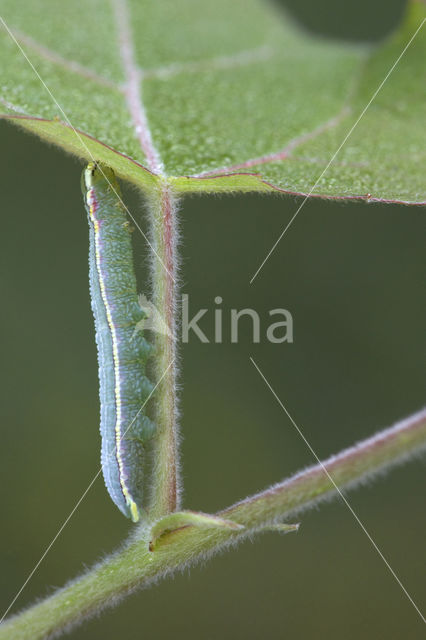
(223, 96)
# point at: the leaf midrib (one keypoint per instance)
(132, 89)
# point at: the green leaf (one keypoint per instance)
(195, 91)
(178, 520)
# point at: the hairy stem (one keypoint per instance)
(134, 566)
(162, 206)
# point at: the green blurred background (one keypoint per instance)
(351, 276)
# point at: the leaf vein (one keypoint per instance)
(132, 87)
(11, 106)
(238, 59)
(70, 65)
(282, 154)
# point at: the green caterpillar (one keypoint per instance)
(122, 350)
